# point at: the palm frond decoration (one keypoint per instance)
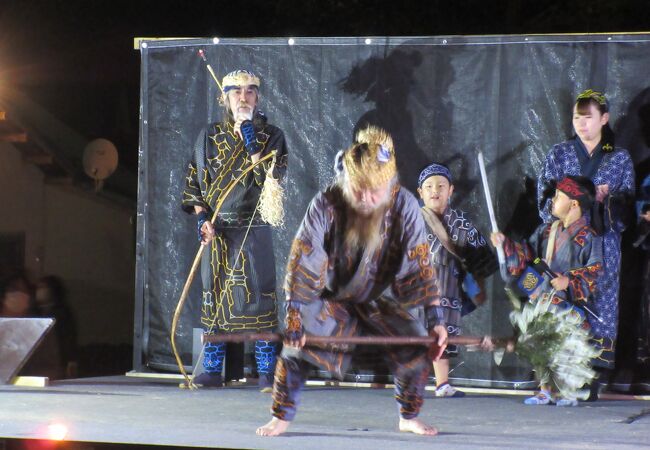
(553, 340)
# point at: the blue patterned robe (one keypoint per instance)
(617, 171)
(478, 259)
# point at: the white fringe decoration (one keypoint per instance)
(271, 204)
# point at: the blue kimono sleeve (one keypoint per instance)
(583, 279)
(519, 254)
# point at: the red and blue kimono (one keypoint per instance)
(614, 168)
(577, 254)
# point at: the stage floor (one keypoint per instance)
(136, 411)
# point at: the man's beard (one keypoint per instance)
(234, 116)
(363, 225)
(246, 113)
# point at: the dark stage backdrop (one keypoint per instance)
(442, 99)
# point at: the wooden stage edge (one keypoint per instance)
(366, 385)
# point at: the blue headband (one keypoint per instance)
(432, 170)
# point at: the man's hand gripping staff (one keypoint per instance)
(294, 335)
(295, 338)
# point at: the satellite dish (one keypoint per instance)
(100, 160)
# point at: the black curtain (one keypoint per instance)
(442, 99)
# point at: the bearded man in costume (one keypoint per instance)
(238, 273)
(359, 264)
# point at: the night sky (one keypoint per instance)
(76, 58)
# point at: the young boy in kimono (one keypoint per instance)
(573, 253)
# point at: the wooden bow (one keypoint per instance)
(197, 261)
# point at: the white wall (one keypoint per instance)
(82, 238)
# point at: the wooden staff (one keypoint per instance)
(355, 340)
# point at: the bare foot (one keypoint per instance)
(274, 427)
(417, 426)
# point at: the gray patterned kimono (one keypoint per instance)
(476, 258)
(344, 293)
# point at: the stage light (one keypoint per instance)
(215, 40)
(56, 431)
(291, 41)
(144, 45)
(368, 41)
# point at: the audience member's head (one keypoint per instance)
(17, 297)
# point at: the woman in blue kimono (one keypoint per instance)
(592, 153)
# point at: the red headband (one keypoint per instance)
(571, 188)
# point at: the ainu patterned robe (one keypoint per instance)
(238, 281)
(578, 255)
(477, 256)
(340, 293)
(616, 170)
